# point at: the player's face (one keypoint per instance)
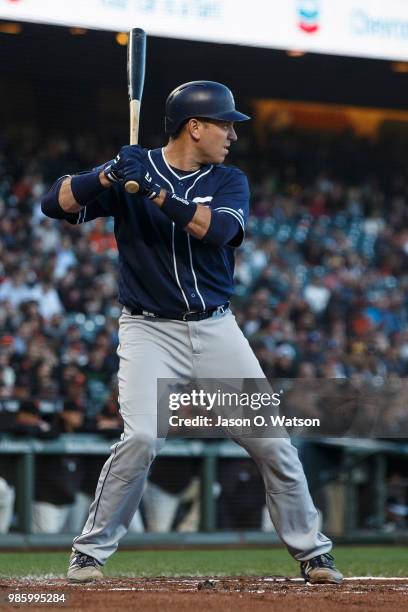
(215, 140)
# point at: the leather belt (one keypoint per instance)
(185, 316)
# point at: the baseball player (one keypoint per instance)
(176, 241)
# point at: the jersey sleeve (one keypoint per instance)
(233, 199)
(105, 205)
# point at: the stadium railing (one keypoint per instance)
(354, 450)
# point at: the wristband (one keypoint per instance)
(86, 187)
(181, 211)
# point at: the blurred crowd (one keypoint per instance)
(322, 277)
(58, 307)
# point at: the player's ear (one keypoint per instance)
(194, 127)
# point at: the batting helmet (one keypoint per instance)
(200, 99)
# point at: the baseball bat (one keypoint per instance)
(136, 62)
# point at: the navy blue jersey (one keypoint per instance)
(162, 268)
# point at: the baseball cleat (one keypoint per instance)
(83, 568)
(321, 570)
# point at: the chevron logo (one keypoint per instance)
(308, 15)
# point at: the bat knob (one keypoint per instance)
(132, 187)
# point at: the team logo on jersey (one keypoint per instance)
(202, 200)
(308, 14)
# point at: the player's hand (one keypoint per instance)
(125, 163)
(147, 187)
(136, 171)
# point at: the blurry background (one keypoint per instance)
(321, 279)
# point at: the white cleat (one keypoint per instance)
(83, 568)
(321, 570)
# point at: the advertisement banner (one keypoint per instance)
(364, 28)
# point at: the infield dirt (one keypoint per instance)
(198, 594)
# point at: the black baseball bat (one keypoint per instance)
(136, 64)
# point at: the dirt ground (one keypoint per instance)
(211, 594)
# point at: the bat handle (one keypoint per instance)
(132, 186)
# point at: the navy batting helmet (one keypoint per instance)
(200, 99)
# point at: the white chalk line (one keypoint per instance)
(297, 580)
(48, 581)
(346, 578)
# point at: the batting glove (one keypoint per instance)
(137, 172)
(148, 188)
(125, 163)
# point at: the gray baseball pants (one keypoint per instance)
(213, 348)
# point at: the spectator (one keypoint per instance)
(47, 297)
(29, 422)
(15, 288)
(171, 484)
(58, 477)
(242, 495)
